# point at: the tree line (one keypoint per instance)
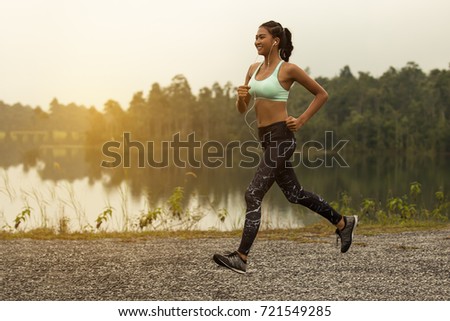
(403, 110)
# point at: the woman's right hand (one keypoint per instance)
(243, 92)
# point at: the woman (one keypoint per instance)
(269, 84)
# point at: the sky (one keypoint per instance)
(89, 51)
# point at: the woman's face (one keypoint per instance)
(264, 41)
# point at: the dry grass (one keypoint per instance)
(311, 233)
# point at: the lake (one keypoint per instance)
(68, 182)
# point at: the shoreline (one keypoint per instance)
(322, 228)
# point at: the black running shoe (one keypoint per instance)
(233, 261)
(346, 235)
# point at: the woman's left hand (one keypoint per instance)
(294, 124)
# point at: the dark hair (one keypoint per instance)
(277, 30)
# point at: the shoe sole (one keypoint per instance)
(353, 231)
(221, 263)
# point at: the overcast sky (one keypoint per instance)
(89, 51)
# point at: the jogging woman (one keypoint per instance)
(268, 84)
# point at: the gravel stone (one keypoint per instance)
(403, 266)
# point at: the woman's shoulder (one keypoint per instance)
(291, 68)
(253, 67)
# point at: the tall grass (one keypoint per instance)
(59, 208)
(73, 203)
(397, 209)
(7, 189)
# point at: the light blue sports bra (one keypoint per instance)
(268, 88)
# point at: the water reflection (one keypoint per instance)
(68, 181)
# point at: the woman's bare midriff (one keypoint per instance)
(269, 112)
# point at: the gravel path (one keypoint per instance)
(406, 266)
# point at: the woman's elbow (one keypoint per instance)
(321, 97)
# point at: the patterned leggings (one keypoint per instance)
(278, 144)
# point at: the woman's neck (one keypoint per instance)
(272, 58)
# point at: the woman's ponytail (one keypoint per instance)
(286, 49)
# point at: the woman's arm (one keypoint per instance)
(243, 96)
(320, 96)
